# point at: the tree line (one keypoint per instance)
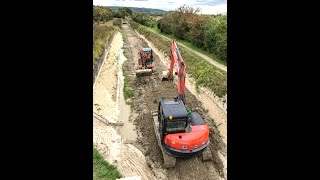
(103, 14)
(208, 32)
(204, 31)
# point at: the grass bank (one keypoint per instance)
(102, 170)
(101, 34)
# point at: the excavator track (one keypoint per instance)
(169, 160)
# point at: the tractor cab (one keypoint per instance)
(147, 54)
(173, 116)
(147, 51)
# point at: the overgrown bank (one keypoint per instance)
(101, 34)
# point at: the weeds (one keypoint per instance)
(127, 91)
(101, 33)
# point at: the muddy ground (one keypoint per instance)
(148, 91)
(108, 106)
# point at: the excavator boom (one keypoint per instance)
(176, 59)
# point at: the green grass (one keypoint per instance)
(127, 91)
(188, 44)
(101, 34)
(102, 170)
(204, 73)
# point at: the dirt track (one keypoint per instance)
(148, 91)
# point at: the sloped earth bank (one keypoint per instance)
(148, 91)
(108, 103)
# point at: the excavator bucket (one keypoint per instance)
(165, 76)
(143, 72)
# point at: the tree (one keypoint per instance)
(188, 9)
(197, 24)
(101, 14)
(128, 10)
(215, 37)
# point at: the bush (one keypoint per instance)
(215, 37)
(144, 19)
(117, 22)
(206, 32)
(133, 24)
(101, 14)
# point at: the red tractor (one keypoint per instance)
(145, 62)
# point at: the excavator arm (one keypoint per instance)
(176, 59)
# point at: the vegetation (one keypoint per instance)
(203, 31)
(188, 44)
(127, 91)
(102, 170)
(101, 14)
(133, 24)
(150, 11)
(215, 36)
(122, 12)
(204, 73)
(101, 34)
(145, 19)
(117, 22)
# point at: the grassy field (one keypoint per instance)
(204, 73)
(102, 170)
(101, 34)
(188, 44)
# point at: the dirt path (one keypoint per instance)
(209, 59)
(148, 90)
(112, 141)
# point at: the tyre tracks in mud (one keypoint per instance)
(148, 91)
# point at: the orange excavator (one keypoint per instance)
(181, 133)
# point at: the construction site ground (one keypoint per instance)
(133, 147)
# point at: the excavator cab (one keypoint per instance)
(172, 117)
(183, 133)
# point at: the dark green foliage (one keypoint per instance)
(101, 14)
(204, 31)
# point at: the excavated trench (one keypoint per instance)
(148, 90)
